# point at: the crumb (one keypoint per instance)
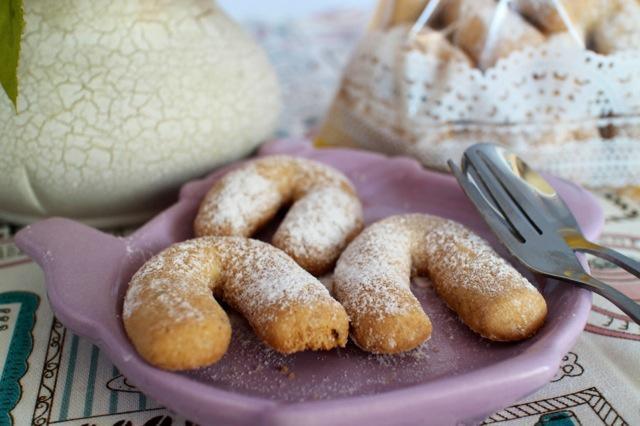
(283, 369)
(291, 375)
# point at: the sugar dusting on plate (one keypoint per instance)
(250, 367)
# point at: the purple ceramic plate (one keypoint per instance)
(456, 377)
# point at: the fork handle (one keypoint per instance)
(625, 303)
(613, 256)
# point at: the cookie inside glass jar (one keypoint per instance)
(556, 80)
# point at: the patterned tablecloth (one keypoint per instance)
(49, 375)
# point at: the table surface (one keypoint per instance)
(49, 375)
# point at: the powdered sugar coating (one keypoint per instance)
(453, 250)
(249, 274)
(316, 225)
(325, 215)
(168, 282)
(260, 277)
(378, 254)
(238, 199)
(373, 274)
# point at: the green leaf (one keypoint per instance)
(11, 25)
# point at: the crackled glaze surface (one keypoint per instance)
(121, 101)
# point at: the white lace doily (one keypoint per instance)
(569, 111)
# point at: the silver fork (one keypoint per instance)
(531, 220)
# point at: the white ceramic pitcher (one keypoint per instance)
(120, 101)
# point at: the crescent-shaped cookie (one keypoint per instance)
(175, 323)
(372, 276)
(325, 213)
(486, 30)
